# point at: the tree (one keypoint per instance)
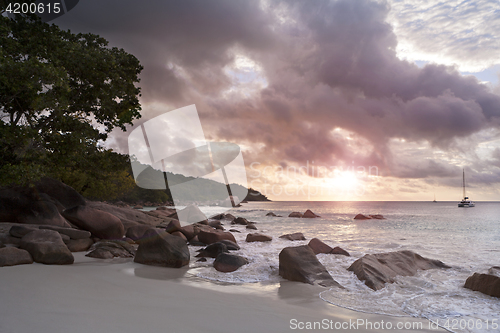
(60, 95)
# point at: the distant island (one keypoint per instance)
(254, 195)
(204, 190)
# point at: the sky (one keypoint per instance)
(328, 100)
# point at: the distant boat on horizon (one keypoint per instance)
(466, 202)
(434, 198)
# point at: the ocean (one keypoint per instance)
(467, 239)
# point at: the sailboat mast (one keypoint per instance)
(463, 180)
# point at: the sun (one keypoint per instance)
(345, 180)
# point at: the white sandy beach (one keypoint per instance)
(118, 295)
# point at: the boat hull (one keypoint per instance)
(466, 205)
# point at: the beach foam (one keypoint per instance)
(466, 240)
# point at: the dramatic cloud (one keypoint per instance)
(465, 33)
(299, 81)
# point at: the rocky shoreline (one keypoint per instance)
(49, 222)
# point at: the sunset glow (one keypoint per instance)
(406, 92)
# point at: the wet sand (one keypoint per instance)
(117, 295)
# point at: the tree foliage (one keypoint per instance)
(60, 95)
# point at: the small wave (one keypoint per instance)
(436, 295)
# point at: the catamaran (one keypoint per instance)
(466, 202)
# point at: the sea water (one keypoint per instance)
(467, 239)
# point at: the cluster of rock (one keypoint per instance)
(319, 247)
(37, 245)
(45, 224)
(272, 214)
(49, 221)
(307, 214)
(64, 222)
(301, 264)
(241, 221)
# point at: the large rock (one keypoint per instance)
(362, 217)
(111, 249)
(64, 194)
(71, 232)
(256, 237)
(11, 256)
(251, 226)
(213, 250)
(162, 249)
(341, 251)
(229, 262)
(295, 214)
(293, 237)
(378, 269)
(300, 264)
(488, 284)
(309, 214)
(202, 226)
(196, 242)
(137, 232)
(240, 221)
(20, 231)
(173, 226)
(129, 216)
(39, 205)
(189, 231)
(232, 246)
(47, 247)
(208, 238)
(41, 212)
(216, 225)
(79, 245)
(180, 235)
(319, 247)
(101, 224)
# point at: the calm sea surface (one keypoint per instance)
(468, 239)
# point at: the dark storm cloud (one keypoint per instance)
(327, 64)
(193, 34)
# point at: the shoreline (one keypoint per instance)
(118, 295)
